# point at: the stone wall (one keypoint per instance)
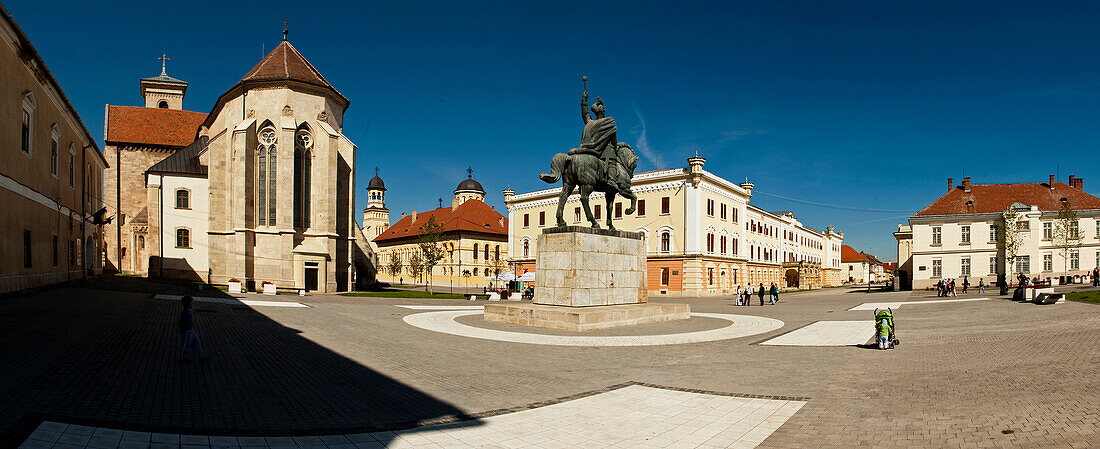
(580, 266)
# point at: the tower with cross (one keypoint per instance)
(376, 218)
(163, 91)
(468, 189)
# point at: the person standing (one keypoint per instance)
(748, 296)
(191, 341)
(775, 293)
(761, 293)
(738, 297)
(966, 284)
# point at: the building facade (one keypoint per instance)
(260, 189)
(51, 174)
(956, 236)
(702, 235)
(474, 240)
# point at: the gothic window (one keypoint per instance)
(183, 199)
(666, 241)
(496, 252)
(475, 251)
(485, 250)
(303, 165)
(526, 247)
(265, 187)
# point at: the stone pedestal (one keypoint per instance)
(588, 279)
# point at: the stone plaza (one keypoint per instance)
(97, 366)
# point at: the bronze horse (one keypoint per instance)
(594, 175)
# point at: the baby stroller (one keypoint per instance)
(886, 318)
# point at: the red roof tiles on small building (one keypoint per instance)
(471, 216)
(849, 254)
(152, 126)
(994, 198)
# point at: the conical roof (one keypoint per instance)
(286, 63)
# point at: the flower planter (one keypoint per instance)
(269, 289)
(234, 287)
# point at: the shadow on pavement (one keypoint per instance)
(111, 359)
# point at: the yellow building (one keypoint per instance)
(51, 174)
(475, 237)
(702, 235)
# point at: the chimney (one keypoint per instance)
(454, 203)
(966, 184)
(413, 213)
(950, 184)
(1075, 182)
(1080, 183)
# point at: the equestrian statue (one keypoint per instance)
(600, 164)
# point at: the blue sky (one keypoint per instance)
(863, 104)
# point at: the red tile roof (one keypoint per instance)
(286, 63)
(471, 216)
(152, 126)
(994, 198)
(849, 254)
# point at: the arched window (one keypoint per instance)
(526, 247)
(475, 252)
(55, 146)
(486, 251)
(303, 169)
(265, 186)
(666, 241)
(496, 253)
(722, 244)
(141, 242)
(710, 242)
(183, 238)
(163, 104)
(183, 199)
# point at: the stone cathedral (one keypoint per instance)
(260, 189)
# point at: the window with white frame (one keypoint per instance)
(1074, 260)
(55, 147)
(26, 130)
(992, 265)
(1075, 229)
(992, 233)
(72, 168)
(1023, 264)
(966, 266)
(937, 268)
(666, 241)
(1048, 262)
(1048, 230)
(937, 235)
(966, 234)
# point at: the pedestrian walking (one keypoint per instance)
(775, 293)
(761, 293)
(191, 342)
(966, 284)
(981, 286)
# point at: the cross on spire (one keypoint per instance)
(375, 171)
(163, 59)
(470, 172)
(441, 202)
(285, 30)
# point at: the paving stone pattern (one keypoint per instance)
(634, 416)
(990, 373)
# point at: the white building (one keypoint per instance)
(956, 235)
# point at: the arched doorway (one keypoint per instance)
(792, 278)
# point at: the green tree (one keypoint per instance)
(395, 265)
(1066, 234)
(431, 251)
(416, 264)
(1009, 238)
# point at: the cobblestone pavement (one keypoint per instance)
(990, 373)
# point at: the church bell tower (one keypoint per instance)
(376, 218)
(163, 91)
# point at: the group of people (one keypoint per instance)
(946, 287)
(744, 295)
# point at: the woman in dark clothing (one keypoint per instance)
(761, 293)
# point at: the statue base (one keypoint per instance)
(579, 319)
(587, 279)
